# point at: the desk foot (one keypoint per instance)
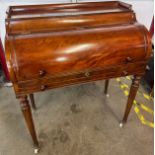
(121, 125)
(107, 95)
(25, 107)
(36, 150)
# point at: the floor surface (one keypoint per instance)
(75, 120)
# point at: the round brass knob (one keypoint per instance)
(43, 87)
(87, 74)
(128, 59)
(42, 73)
(125, 73)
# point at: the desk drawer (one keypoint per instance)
(79, 77)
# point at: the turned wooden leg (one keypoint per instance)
(131, 97)
(28, 118)
(32, 101)
(106, 87)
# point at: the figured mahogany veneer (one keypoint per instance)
(49, 46)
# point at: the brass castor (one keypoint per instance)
(36, 150)
(107, 95)
(121, 125)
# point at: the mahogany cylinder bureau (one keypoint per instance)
(49, 46)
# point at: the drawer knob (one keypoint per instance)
(42, 73)
(128, 59)
(125, 72)
(43, 87)
(87, 74)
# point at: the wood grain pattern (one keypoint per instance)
(77, 50)
(30, 25)
(71, 78)
(56, 45)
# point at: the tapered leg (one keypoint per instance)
(32, 101)
(131, 97)
(106, 86)
(28, 118)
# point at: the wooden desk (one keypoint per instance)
(50, 46)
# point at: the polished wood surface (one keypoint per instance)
(60, 23)
(56, 45)
(132, 94)
(25, 107)
(42, 84)
(80, 50)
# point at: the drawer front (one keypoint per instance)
(81, 77)
(43, 55)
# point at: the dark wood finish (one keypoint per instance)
(50, 46)
(61, 80)
(28, 118)
(32, 101)
(66, 58)
(106, 86)
(131, 97)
